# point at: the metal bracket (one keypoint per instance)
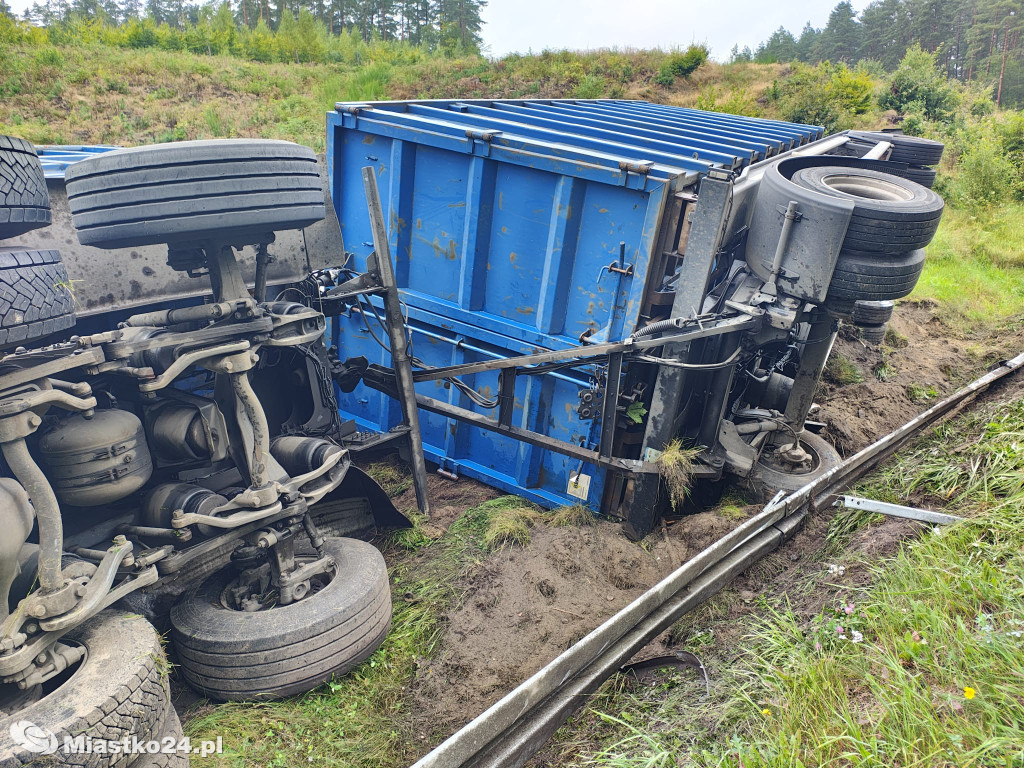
(897, 510)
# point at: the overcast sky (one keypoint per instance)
(525, 25)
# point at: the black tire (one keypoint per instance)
(875, 277)
(236, 191)
(872, 312)
(906, 149)
(171, 729)
(923, 176)
(227, 654)
(891, 214)
(24, 200)
(873, 334)
(767, 477)
(119, 690)
(35, 296)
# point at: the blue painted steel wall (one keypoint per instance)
(542, 403)
(502, 216)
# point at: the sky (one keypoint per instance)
(525, 25)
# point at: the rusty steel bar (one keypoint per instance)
(400, 358)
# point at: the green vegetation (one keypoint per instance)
(682, 64)
(510, 522)
(575, 516)
(921, 667)
(841, 371)
(311, 31)
(980, 41)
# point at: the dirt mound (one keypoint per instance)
(522, 608)
(925, 363)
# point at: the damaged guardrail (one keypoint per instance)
(509, 732)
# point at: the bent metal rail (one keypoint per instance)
(509, 732)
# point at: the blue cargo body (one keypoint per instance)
(522, 226)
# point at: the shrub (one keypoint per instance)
(682, 64)
(918, 83)
(985, 175)
(829, 95)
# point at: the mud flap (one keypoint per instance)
(357, 506)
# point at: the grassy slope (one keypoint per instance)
(97, 94)
(926, 670)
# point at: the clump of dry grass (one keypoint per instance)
(575, 516)
(676, 466)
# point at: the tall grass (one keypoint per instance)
(923, 667)
(975, 266)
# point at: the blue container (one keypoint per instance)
(521, 226)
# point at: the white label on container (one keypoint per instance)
(579, 486)
(651, 454)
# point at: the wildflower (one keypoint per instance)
(766, 712)
(849, 609)
(839, 629)
(817, 647)
(836, 570)
(857, 637)
(969, 693)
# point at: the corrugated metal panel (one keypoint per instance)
(56, 159)
(504, 217)
(506, 214)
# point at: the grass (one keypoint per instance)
(676, 466)
(90, 93)
(509, 523)
(575, 516)
(922, 667)
(975, 267)
(841, 371)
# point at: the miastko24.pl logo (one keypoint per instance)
(43, 741)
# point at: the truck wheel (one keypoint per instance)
(24, 200)
(891, 214)
(923, 176)
(872, 312)
(772, 474)
(875, 276)
(906, 149)
(170, 729)
(35, 296)
(236, 191)
(229, 654)
(873, 334)
(118, 690)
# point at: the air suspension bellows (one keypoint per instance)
(160, 504)
(299, 455)
(96, 460)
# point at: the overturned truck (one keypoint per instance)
(200, 339)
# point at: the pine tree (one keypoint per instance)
(841, 38)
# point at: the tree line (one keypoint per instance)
(433, 24)
(975, 41)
